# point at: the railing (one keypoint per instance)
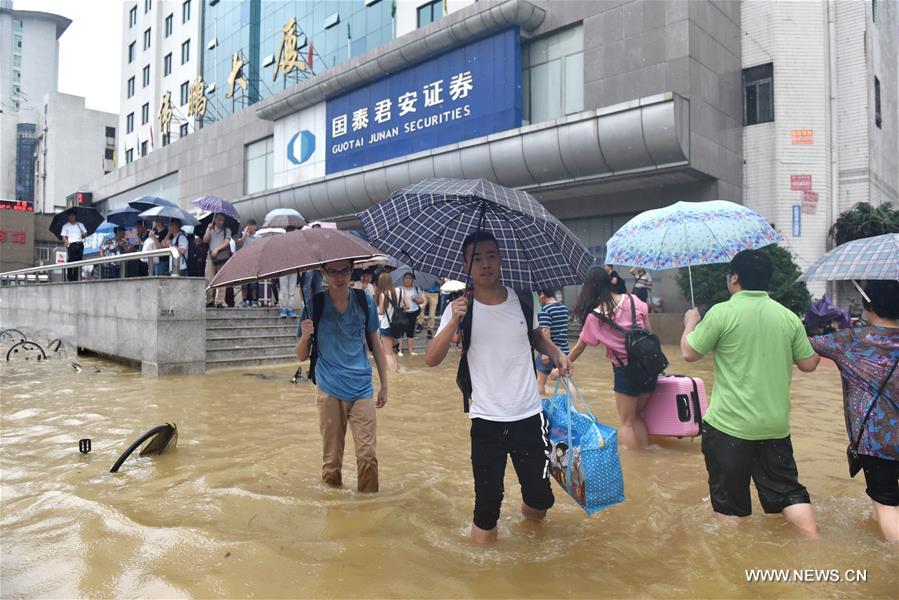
(39, 274)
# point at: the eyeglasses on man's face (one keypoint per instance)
(338, 272)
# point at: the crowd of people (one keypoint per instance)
(756, 342)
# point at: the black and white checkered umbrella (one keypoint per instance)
(426, 224)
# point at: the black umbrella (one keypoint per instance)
(86, 215)
(147, 202)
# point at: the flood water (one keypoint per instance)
(237, 508)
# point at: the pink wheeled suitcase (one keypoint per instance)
(676, 407)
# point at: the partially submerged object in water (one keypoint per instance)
(164, 438)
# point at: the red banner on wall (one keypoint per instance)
(801, 183)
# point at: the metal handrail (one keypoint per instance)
(118, 258)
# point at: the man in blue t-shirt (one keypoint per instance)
(553, 318)
(343, 374)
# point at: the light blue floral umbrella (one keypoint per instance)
(687, 234)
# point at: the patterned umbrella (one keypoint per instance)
(427, 222)
(214, 204)
(687, 234)
(147, 202)
(865, 259)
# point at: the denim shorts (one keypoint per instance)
(624, 384)
(543, 368)
(385, 332)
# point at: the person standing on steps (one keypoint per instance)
(73, 234)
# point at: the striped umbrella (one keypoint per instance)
(426, 223)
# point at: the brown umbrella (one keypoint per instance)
(288, 252)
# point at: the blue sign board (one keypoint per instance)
(466, 93)
(797, 220)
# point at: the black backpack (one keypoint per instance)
(463, 375)
(645, 359)
(318, 307)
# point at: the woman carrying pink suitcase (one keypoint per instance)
(597, 308)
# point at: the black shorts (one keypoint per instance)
(882, 479)
(527, 442)
(623, 384)
(731, 462)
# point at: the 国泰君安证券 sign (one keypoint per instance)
(466, 93)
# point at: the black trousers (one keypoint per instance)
(74, 252)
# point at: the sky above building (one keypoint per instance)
(90, 51)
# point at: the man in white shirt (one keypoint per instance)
(177, 239)
(506, 412)
(73, 234)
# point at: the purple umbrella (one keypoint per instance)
(214, 204)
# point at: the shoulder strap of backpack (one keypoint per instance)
(526, 299)
(633, 312)
(362, 301)
(318, 307)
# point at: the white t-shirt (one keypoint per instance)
(502, 370)
(181, 242)
(150, 244)
(75, 232)
(384, 319)
(407, 293)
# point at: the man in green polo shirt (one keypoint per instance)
(746, 434)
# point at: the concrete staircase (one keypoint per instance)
(242, 337)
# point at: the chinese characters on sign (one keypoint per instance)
(800, 183)
(197, 99)
(21, 205)
(236, 77)
(288, 57)
(460, 86)
(469, 92)
(809, 202)
(803, 136)
(18, 237)
(165, 113)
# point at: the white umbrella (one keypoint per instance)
(269, 231)
(451, 286)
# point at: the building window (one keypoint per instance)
(167, 64)
(17, 24)
(182, 131)
(185, 52)
(259, 166)
(131, 51)
(147, 39)
(878, 115)
(18, 39)
(185, 90)
(16, 60)
(129, 155)
(110, 132)
(758, 94)
(108, 153)
(430, 12)
(148, 4)
(129, 123)
(553, 75)
(168, 25)
(143, 148)
(185, 11)
(132, 17)
(130, 86)
(17, 75)
(145, 114)
(146, 75)
(166, 139)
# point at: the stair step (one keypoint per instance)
(240, 332)
(230, 312)
(256, 350)
(242, 343)
(216, 322)
(231, 363)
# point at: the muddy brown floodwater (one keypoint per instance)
(237, 508)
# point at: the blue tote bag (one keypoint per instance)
(584, 458)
